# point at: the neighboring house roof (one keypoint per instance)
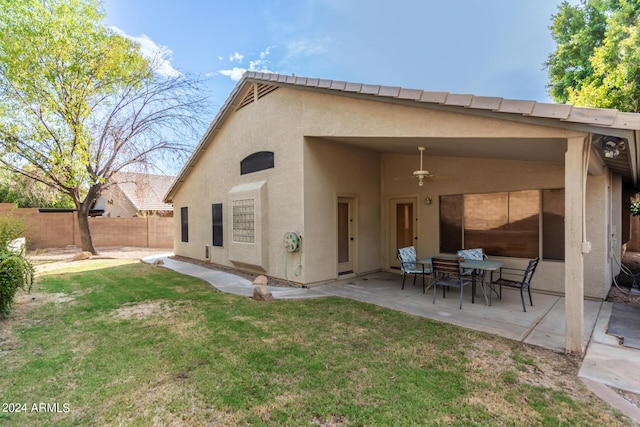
(606, 122)
(145, 191)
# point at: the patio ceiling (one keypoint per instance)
(532, 149)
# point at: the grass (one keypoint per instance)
(128, 344)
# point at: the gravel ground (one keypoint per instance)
(47, 259)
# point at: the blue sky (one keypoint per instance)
(490, 47)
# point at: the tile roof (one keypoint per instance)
(593, 120)
(145, 191)
(564, 112)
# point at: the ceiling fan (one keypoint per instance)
(422, 174)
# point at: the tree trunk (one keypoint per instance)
(86, 240)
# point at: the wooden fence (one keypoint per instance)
(60, 229)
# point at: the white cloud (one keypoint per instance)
(153, 51)
(306, 47)
(235, 73)
(259, 65)
(236, 57)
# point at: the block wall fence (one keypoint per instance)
(634, 244)
(60, 229)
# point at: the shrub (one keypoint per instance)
(16, 271)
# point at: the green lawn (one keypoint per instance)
(128, 344)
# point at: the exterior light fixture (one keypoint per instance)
(611, 146)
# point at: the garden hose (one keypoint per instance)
(296, 271)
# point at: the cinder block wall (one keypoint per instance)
(634, 244)
(55, 230)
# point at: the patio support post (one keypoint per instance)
(575, 175)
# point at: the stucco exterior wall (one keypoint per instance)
(271, 124)
(314, 166)
(466, 176)
(116, 204)
(335, 170)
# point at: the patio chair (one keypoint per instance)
(446, 273)
(477, 254)
(517, 278)
(409, 265)
(471, 254)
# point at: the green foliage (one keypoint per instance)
(28, 193)
(634, 207)
(597, 58)
(16, 271)
(79, 102)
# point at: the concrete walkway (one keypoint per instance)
(606, 363)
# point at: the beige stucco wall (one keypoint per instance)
(115, 204)
(312, 171)
(335, 170)
(261, 126)
(465, 175)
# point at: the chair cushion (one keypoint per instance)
(407, 254)
(470, 254)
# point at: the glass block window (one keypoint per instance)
(244, 221)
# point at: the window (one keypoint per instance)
(553, 224)
(184, 223)
(450, 223)
(216, 219)
(256, 162)
(505, 223)
(244, 221)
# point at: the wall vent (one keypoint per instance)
(257, 91)
(207, 251)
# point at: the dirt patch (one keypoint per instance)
(51, 259)
(142, 310)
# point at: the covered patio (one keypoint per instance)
(542, 325)
(517, 178)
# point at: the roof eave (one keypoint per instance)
(228, 107)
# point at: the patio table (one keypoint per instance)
(474, 264)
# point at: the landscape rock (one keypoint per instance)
(261, 281)
(261, 293)
(82, 255)
(157, 263)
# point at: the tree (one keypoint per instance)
(79, 102)
(28, 193)
(597, 58)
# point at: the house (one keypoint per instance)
(131, 194)
(311, 180)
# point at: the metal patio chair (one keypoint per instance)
(446, 273)
(516, 278)
(409, 265)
